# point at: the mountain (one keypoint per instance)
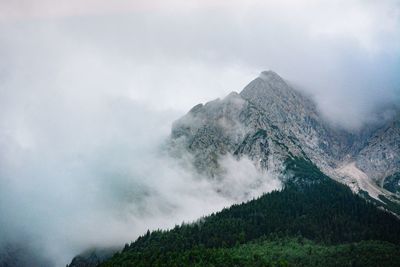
(270, 121)
(267, 122)
(338, 186)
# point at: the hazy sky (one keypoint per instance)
(88, 90)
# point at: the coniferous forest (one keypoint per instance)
(312, 221)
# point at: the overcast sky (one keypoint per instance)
(89, 89)
(173, 54)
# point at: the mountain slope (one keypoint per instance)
(380, 158)
(278, 252)
(295, 114)
(311, 206)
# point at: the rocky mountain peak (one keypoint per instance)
(270, 121)
(277, 97)
(267, 84)
(270, 75)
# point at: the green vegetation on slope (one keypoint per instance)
(279, 252)
(311, 206)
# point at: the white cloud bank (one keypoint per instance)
(95, 175)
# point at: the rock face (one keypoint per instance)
(237, 126)
(269, 122)
(380, 158)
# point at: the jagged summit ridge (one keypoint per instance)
(272, 93)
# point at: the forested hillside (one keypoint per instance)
(313, 221)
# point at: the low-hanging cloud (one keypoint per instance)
(101, 178)
(88, 98)
(82, 161)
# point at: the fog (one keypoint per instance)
(79, 176)
(88, 93)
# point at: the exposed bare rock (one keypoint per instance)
(380, 157)
(269, 122)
